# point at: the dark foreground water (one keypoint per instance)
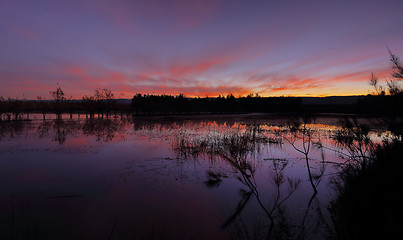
(227, 177)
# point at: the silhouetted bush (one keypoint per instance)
(368, 206)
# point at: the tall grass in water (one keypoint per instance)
(234, 144)
(235, 148)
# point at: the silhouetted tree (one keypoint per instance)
(70, 106)
(396, 65)
(58, 100)
(392, 84)
(375, 84)
(42, 106)
(2, 108)
(13, 109)
(104, 101)
(89, 105)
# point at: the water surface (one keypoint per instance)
(225, 177)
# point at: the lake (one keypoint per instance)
(194, 177)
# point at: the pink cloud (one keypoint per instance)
(293, 84)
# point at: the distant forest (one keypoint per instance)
(102, 104)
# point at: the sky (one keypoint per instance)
(196, 47)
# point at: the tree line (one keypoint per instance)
(102, 103)
(167, 104)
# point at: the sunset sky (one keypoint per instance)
(196, 47)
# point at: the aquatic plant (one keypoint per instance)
(300, 136)
(233, 148)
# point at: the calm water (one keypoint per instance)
(226, 177)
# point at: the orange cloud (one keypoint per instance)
(293, 84)
(359, 76)
(192, 91)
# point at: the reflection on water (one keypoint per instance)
(124, 178)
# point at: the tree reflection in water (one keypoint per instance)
(11, 129)
(104, 129)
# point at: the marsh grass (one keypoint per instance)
(236, 144)
(234, 147)
(354, 138)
